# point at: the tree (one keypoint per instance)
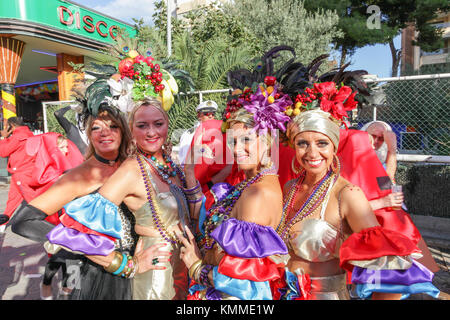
(353, 24)
(395, 15)
(287, 22)
(399, 14)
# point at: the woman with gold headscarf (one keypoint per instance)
(328, 224)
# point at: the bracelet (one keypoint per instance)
(115, 263)
(192, 189)
(195, 200)
(194, 268)
(129, 265)
(135, 269)
(204, 279)
(122, 265)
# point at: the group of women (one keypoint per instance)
(138, 225)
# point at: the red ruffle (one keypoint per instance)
(399, 221)
(373, 243)
(254, 269)
(69, 222)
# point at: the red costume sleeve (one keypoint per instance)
(373, 243)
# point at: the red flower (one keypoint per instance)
(336, 102)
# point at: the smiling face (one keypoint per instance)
(314, 151)
(248, 147)
(105, 136)
(149, 128)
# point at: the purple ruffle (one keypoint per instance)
(221, 189)
(248, 240)
(417, 273)
(75, 240)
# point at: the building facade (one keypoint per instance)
(414, 59)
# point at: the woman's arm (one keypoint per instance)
(29, 220)
(356, 210)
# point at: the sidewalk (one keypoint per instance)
(22, 263)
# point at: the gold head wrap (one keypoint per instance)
(313, 120)
(241, 115)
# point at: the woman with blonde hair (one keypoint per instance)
(92, 243)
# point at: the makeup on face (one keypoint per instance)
(106, 136)
(150, 129)
(314, 151)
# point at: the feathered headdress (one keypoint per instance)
(258, 92)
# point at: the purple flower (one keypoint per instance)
(268, 113)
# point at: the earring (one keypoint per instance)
(336, 164)
(294, 169)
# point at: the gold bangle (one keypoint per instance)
(115, 263)
(194, 267)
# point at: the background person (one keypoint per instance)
(384, 144)
(20, 164)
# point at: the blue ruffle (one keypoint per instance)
(242, 289)
(365, 291)
(97, 213)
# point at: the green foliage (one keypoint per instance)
(53, 124)
(287, 22)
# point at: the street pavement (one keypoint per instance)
(22, 264)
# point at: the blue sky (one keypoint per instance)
(375, 59)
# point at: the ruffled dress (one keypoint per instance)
(93, 225)
(252, 267)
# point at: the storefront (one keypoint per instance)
(40, 42)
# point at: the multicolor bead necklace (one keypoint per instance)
(151, 197)
(169, 169)
(314, 201)
(221, 210)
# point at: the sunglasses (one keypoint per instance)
(207, 114)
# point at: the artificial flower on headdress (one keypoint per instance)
(267, 105)
(260, 93)
(121, 91)
(149, 79)
(328, 97)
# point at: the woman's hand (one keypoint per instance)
(146, 257)
(190, 252)
(394, 199)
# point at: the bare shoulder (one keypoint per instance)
(349, 192)
(355, 207)
(261, 204)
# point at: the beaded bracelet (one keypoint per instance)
(191, 190)
(135, 269)
(195, 200)
(204, 279)
(129, 267)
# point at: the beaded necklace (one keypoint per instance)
(221, 210)
(169, 168)
(151, 197)
(314, 200)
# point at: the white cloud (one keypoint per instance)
(126, 10)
